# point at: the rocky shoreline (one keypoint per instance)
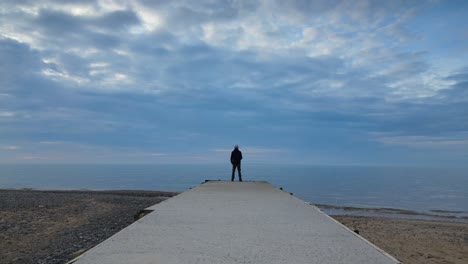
(55, 226)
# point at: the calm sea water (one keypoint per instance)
(420, 189)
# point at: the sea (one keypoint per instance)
(403, 192)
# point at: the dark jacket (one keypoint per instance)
(236, 156)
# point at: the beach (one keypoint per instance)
(56, 226)
(414, 241)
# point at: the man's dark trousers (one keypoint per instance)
(238, 166)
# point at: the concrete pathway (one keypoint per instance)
(235, 222)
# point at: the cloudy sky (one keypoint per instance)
(300, 81)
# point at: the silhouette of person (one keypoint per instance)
(236, 157)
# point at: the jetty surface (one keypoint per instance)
(235, 222)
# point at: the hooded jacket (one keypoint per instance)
(236, 156)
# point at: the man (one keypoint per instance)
(236, 157)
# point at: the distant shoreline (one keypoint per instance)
(330, 209)
(433, 215)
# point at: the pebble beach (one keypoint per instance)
(55, 226)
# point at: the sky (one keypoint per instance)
(291, 82)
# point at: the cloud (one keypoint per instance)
(28, 157)
(10, 147)
(182, 76)
(458, 91)
(6, 114)
(253, 150)
(19, 59)
(93, 37)
(96, 28)
(425, 141)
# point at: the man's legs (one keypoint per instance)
(238, 166)
(233, 170)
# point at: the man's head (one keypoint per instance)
(236, 146)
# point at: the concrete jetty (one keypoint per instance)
(235, 222)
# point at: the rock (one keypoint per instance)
(77, 253)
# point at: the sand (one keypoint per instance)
(414, 241)
(55, 226)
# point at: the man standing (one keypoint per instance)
(236, 157)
